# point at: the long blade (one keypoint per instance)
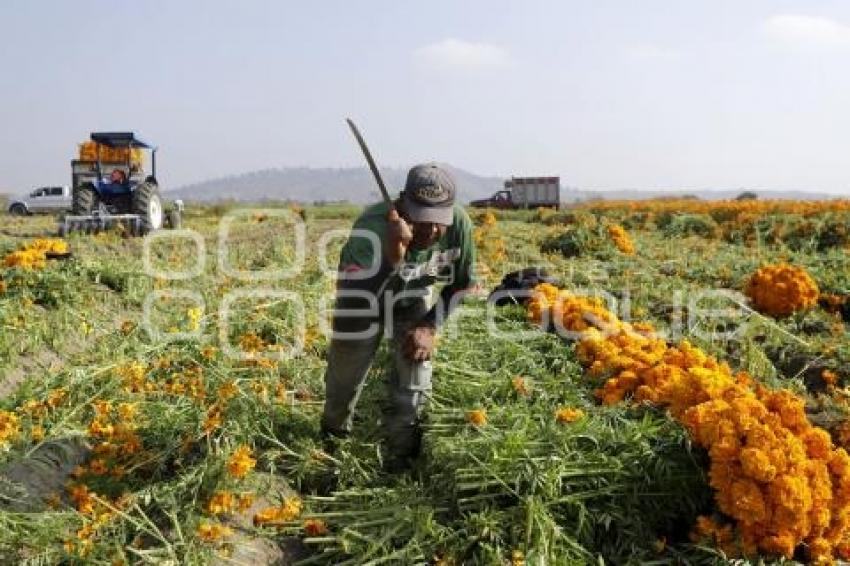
(370, 161)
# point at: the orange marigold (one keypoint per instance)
(477, 417)
(241, 462)
(781, 290)
(566, 415)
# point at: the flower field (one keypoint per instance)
(681, 396)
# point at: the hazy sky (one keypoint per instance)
(608, 94)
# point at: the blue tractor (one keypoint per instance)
(110, 185)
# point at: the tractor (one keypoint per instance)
(111, 187)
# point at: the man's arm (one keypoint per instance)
(363, 270)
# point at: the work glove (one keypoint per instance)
(418, 342)
(398, 237)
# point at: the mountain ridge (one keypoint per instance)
(356, 185)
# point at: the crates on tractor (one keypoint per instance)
(111, 187)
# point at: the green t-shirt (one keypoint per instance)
(449, 261)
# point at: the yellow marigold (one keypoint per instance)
(128, 411)
(194, 314)
(566, 415)
(34, 254)
(82, 498)
(212, 532)
(37, 433)
(621, 239)
(520, 385)
(781, 290)
(477, 417)
(227, 390)
(757, 464)
(221, 502)
(57, 397)
(213, 419)
(251, 343)
(245, 501)
(241, 462)
(286, 511)
(9, 427)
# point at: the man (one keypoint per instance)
(118, 177)
(387, 271)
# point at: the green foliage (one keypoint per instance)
(600, 487)
(682, 225)
(605, 488)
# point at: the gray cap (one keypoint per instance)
(429, 194)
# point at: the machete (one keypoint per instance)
(371, 162)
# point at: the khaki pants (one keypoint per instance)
(408, 386)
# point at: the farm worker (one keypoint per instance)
(388, 269)
(118, 177)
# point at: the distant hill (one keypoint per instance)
(307, 184)
(356, 185)
(574, 194)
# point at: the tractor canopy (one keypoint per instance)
(120, 140)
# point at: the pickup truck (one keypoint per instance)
(42, 199)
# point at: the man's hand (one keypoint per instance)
(399, 235)
(418, 342)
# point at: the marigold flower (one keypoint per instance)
(221, 502)
(286, 511)
(566, 415)
(241, 462)
(520, 385)
(245, 501)
(779, 477)
(621, 239)
(9, 427)
(251, 343)
(781, 290)
(477, 417)
(213, 419)
(128, 411)
(212, 532)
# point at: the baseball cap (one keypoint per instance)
(429, 194)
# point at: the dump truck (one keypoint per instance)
(525, 192)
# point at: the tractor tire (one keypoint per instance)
(175, 219)
(18, 209)
(148, 205)
(84, 200)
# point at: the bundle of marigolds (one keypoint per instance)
(778, 479)
(621, 239)
(34, 254)
(781, 290)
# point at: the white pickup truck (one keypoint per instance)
(43, 199)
